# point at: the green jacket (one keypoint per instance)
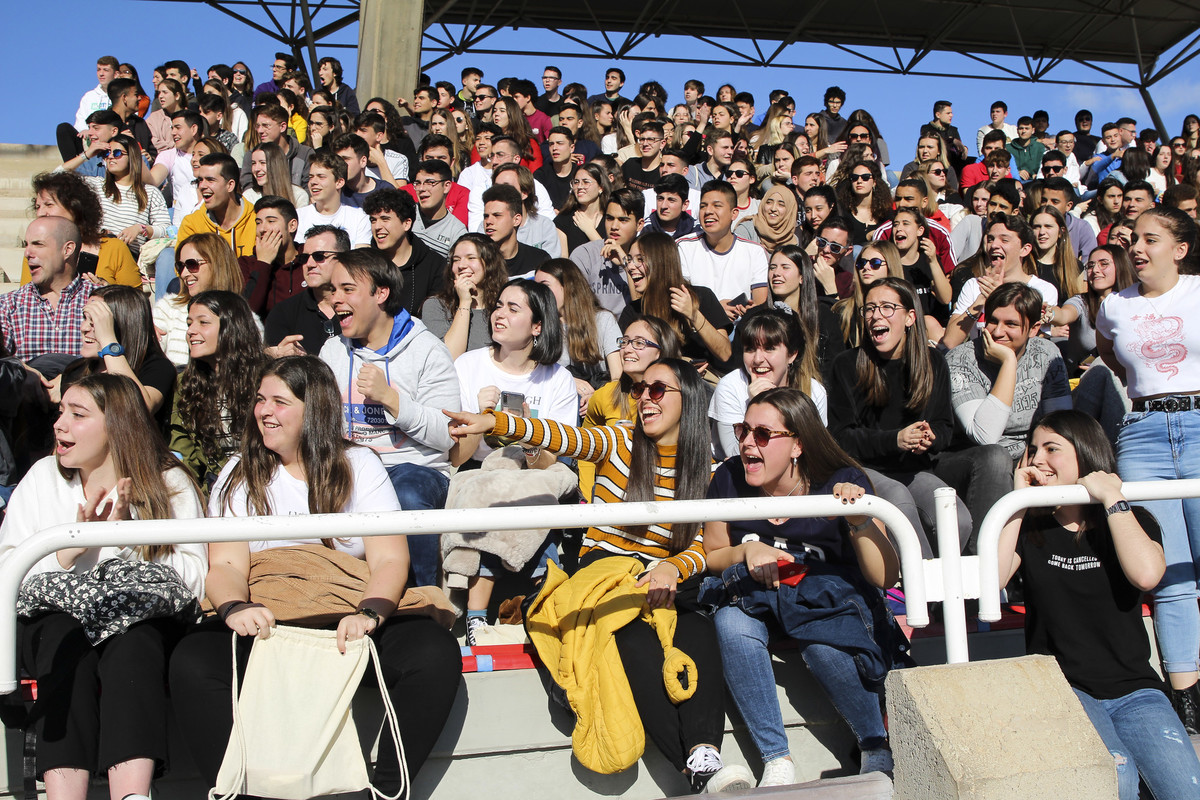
(1028, 158)
(182, 440)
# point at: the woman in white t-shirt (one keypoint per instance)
(296, 461)
(1148, 335)
(103, 707)
(774, 353)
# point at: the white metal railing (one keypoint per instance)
(240, 529)
(1047, 497)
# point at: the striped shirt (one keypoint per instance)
(609, 449)
(32, 328)
(119, 216)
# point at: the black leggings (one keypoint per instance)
(422, 666)
(77, 724)
(676, 729)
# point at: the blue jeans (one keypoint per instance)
(164, 273)
(751, 681)
(419, 488)
(1145, 736)
(1152, 445)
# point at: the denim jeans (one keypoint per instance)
(1145, 736)
(164, 273)
(751, 681)
(1152, 445)
(419, 488)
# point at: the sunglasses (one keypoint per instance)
(1050, 168)
(116, 152)
(636, 342)
(479, 97)
(875, 263)
(240, 72)
(736, 173)
(862, 176)
(859, 137)
(654, 391)
(319, 256)
(833, 247)
(190, 265)
(762, 435)
(937, 172)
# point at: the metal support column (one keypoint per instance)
(389, 48)
(1154, 115)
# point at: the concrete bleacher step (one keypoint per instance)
(18, 164)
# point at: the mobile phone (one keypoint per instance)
(791, 572)
(740, 300)
(512, 403)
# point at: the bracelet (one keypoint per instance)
(703, 320)
(870, 523)
(229, 607)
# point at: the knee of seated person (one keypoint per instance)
(417, 487)
(992, 460)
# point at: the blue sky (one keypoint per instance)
(52, 79)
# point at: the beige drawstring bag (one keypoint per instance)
(293, 733)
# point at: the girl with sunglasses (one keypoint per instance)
(131, 211)
(774, 352)
(786, 451)
(1090, 620)
(217, 388)
(889, 402)
(742, 176)
(666, 455)
(875, 261)
(204, 261)
(865, 194)
(942, 205)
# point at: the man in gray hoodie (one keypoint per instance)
(395, 377)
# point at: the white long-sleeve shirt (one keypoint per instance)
(94, 100)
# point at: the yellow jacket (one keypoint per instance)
(240, 237)
(571, 624)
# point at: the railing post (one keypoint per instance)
(954, 612)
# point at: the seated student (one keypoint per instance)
(271, 125)
(390, 165)
(203, 261)
(217, 386)
(735, 270)
(304, 322)
(558, 165)
(1139, 197)
(1182, 196)
(1054, 253)
(657, 288)
(437, 148)
(175, 164)
(117, 336)
(642, 173)
(1108, 270)
(675, 162)
(773, 352)
(327, 176)
(537, 230)
(791, 281)
(102, 127)
(478, 176)
(581, 219)
(1060, 194)
(295, 461)
(875, 261)
(433, 223)
(590, 333)
(394, 377)
(571, 117)
(271, 176)
(918, 257)
(889, 403)
(967, 236)
(666, 455)
(602, 261)
(102, 705)
(914, 193)
(504, 150)
(669, 199)
(353, 150)
(130, 210)
(471, 282)
(645, 341)
(819, 203)
(1090, 618)
(67, 195)
(1026, 150)
(774, 223)
(503, 213)
(391, 214)
(979, 171)
(273, 272)
(1003, 382)
(223, 211)
(718, 149)
(784, 449)
(1007, 257)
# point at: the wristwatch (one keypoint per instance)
(113, 349)
(1119, 507)
(370, 614)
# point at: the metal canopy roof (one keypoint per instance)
(1023, 40)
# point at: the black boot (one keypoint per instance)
(1187, 706)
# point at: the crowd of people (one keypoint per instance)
(277, 299)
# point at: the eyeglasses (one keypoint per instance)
(833, 247)
(648, 140)
(1052, 168)
(428, 184)
(762, 434)
(736, 173)
(654, 391)
(116, 152)
(937, 172)
(862, 176)
(859, 137)
(636, 342)
(886, 310)
(190, 265)
(319, 256)
(875, 263)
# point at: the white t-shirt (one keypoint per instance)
(44, 499)
(352, 220)
(728, 406)
(288, 495)
(737, 271)
(549, 391)
(184, 199)
(607, 331)
(1152, 339)
(970, 293)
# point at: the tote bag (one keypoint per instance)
(293, 733)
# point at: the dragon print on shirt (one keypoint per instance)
(1157, 342)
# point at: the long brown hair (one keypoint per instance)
(664, 271)
(668, 347)
(1124, 278)
(279, 176)
(848, 307)
(227, 275)
(137, 449)
(133, 152)
(495, 274)
(322, 448)
(578, 311)
(918, 366)
(1066, 265)
(821, 455)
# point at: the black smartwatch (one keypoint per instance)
(371, 614)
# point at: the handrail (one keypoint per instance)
(1046, 497)
(359, 524)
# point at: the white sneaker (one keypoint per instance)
(730, 778)
(778, 772)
